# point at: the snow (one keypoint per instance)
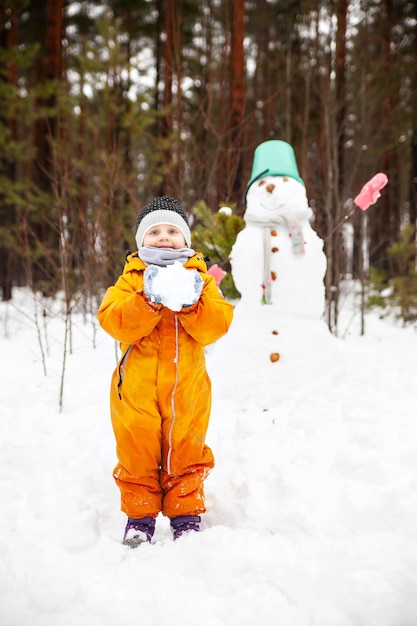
(312, 505)
(173, 285)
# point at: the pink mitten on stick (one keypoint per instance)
(369, 193)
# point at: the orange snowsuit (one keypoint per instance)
(160, 394)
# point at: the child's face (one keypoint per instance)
(164, 236)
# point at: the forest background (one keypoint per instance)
(104, 105)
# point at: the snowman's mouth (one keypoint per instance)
(273, 207)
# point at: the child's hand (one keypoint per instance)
(149, 276)
(191, 287)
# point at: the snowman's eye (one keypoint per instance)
(261, 182)
(285, 179)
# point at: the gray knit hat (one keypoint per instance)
(163, 210)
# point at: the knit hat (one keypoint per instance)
(163, 210)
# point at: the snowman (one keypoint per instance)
(278, 260)
(278, 266)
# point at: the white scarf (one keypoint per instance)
(164, 256)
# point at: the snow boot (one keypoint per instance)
(185, 523)
(138, 531)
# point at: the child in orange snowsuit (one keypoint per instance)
(164, 309)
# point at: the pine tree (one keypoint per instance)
(214, 235)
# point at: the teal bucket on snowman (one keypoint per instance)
(274, 158)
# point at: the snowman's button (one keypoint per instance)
(274, 249)
(274, 233)
(275, 332)
(273, 276)
(274, 357)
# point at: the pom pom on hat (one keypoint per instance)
(163, 210)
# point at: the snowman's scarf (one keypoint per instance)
(266, 280)
(297, 240)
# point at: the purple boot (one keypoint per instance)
(138, 531)
(185, 523)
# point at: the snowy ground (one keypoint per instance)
(312, 506)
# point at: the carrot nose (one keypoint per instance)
(270, 188)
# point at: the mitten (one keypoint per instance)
(149, 278)
(191, 288)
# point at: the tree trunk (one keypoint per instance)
(8, 41)
(342, 7)
(171, 97)
(413, 143)
(49, 20)
(237, 93)
(385, 225)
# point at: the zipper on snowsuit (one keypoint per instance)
(121, 369)
(174, 414)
